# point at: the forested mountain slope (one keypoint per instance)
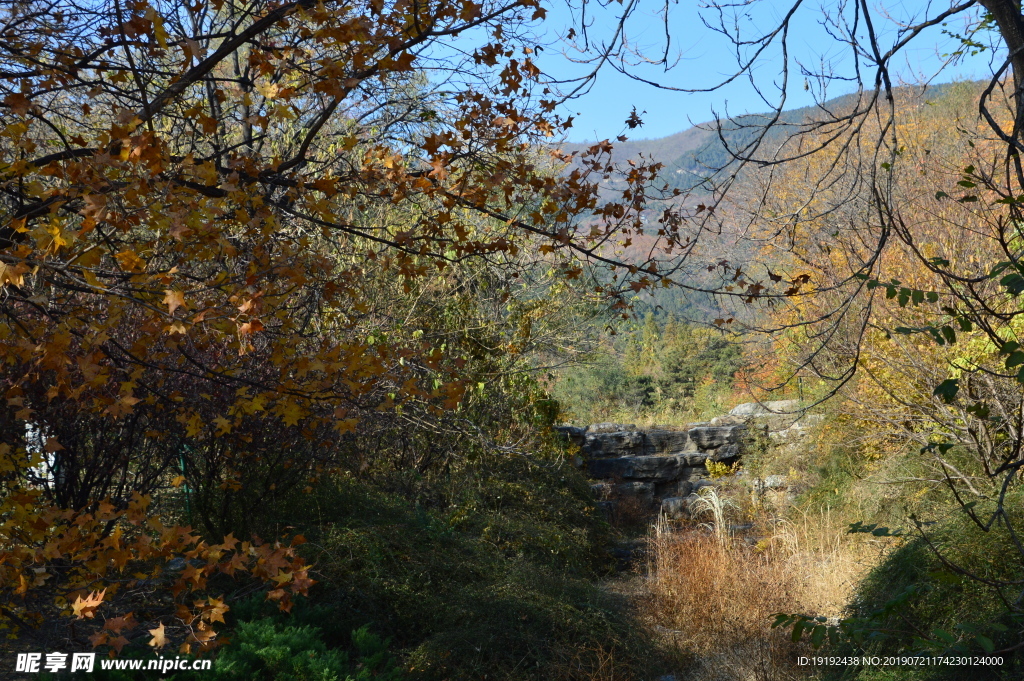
(699, 160)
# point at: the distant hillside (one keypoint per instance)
(692, 155)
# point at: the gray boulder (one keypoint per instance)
(694, 473)
(572, 433)
(775, 416)
(751, 409)
(609, 427)
(726, 453)
(675, 507)
(698, 485)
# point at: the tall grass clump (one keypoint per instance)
(714, 597)
(710, 502)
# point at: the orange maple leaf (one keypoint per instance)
(216, 609)
(86, 607)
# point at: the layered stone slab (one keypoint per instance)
(621, 443)
(661, 442)
(662, 468)
(713, 437)
(614, 444)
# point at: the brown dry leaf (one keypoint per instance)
(19, 103)
(118, 624)
(118, 643)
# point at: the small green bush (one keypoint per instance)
(264, 649)
(662, 369)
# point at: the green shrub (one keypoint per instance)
(264, 649)
(483, 567)
(662, 369)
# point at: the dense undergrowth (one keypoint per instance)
(486, 562)
(486, 572)
(929, 582)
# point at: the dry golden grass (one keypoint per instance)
(715, 601)
(828, 561)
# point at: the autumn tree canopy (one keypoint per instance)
(190, 188)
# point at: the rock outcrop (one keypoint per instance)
(656, 463)
(664, 466)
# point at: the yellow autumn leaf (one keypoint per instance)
(173, 300)
(159, 639)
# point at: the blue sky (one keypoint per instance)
(704, 58)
